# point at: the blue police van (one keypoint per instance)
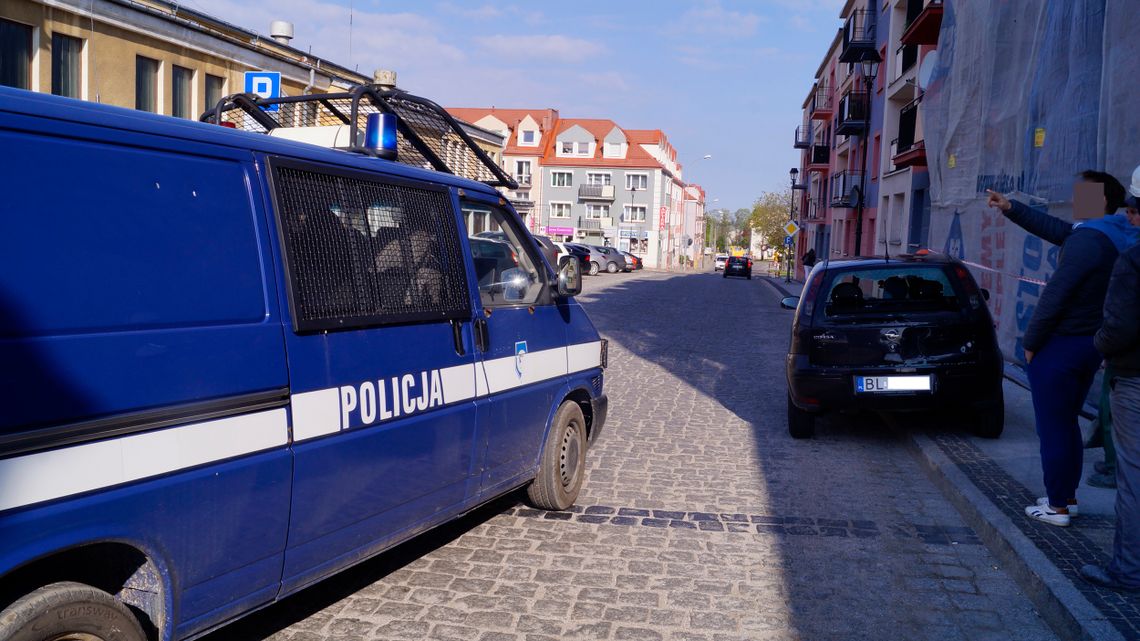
(235, 363)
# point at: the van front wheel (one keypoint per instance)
(69, 611)
(563, 464)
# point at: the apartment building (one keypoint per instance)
(842, 139)
(904, 223)
(525, 132)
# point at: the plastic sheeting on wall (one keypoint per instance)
(1023, 96)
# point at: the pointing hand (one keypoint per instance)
(998, 201)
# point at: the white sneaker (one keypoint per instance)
(1074, 510)
(1045, 513)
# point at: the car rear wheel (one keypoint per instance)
(990, 420)
(611, 267)
(69, 611)
(801, 424)
(594, 268)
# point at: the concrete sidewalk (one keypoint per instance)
(991, 481)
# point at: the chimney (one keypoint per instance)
(281, 31)
(384, 78)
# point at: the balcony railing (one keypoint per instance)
(923, 22)
(803, 136)
(845, 186)
(858, 36)
(596, 192)
(522, 205)
(523, 180)
(821, 107)
(906, 57)
(816, 209)
(853, 112)
(589, 223)
(819, 158)
(908, 125)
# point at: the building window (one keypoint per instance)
(875, 159)
(527, 137)
(559, 210)
(633, 214)
(15, 54)
(215, 89)
(597, 211)
(569, 148)
(182, 92)
(66, 65)
(637, 181)
(561, 179)
(522, 172)
(599, 178)
(146, 84)
(613, 150)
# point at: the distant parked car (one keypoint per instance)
(721, 259)
(593, 257)
(607, 258)
(738, 266)
(909, 333)
(633, 262)
(568, 251)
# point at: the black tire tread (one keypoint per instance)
(546, 492)
(117, 622)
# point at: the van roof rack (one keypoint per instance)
(427, 136)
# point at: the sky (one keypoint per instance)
(721, 78)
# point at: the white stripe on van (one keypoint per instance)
(504, 373)
(458, 383)
(315, 413)
(44, 476)
(583, 356)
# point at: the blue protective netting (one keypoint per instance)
(1024, 95)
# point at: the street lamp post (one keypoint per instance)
(792, 173)
(869, 66)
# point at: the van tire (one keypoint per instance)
(563, 464)
(62, 609)
(801, 424)
(612, 267)
(594, 268)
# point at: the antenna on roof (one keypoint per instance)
(886, 250)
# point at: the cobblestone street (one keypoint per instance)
(701, 519)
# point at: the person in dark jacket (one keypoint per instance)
(1058, 343)
(1119, 340)
(808, 259)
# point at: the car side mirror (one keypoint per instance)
(790, 302)
(570, 278)
(985, 293)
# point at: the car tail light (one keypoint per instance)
(749, 264)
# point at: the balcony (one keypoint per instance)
(596, 192)
(852, 114)
(858, 36)
(819, 158)
(821, 107)
(816, 209)
(523, 180)
(911, 150)
(522, 206)
(803, 136)
(923, 22)
(589, 224)
(845, 186)
(906, 57)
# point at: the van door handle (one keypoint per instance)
(457, 336)
(482, 340)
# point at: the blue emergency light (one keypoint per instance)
(380, 135)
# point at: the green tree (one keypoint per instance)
(769, 215)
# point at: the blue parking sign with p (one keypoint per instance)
(266, 84)
(789, 241)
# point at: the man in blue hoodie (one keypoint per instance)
(1059, 351)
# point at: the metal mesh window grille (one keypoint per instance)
(364, 252)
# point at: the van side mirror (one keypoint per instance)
(790, 302)
(570, 278)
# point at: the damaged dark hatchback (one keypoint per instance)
(899, 334)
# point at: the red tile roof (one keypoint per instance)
(512, 118)
(635, 157)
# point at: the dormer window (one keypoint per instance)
(613, 150)
(528, 137)
(569, 148)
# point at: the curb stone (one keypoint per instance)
(1060, 604)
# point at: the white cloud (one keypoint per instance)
(549, 47)
(712, 19)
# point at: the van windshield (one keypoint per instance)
(891, 290)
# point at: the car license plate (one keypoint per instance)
(877, 384)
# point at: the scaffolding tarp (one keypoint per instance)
(1022, 96)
